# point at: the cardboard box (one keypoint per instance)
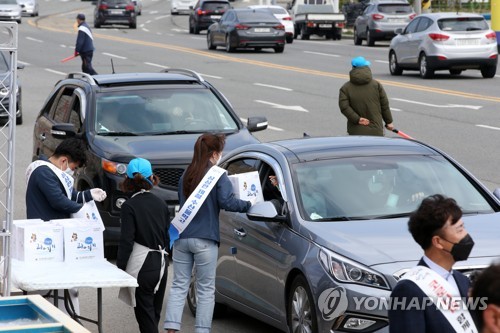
(37, 241)
(247, 186)
(83, 241)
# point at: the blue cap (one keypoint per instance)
(360, 62)
(141, 166)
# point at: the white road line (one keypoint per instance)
(113, 55)
(144, 29)
(285, 107)
(34, 39)
(473, 107)
(382, 61)
(63, 46)
(198, 38)
(212, 76)
(141, 25)
(55, 72)
(155, 65)
(270, 86)
(394, 109)
(323, 54)
(161, 17)
(24, 63)
(489, 127)
(148, 21)
(268, 127)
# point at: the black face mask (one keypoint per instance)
(461, 250)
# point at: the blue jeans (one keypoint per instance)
(203, 254)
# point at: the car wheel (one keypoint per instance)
(357, 40)
(393, 64)
(369, 38)
(219, 309)
(97, 24)
(488, 72)
(229, 48)
(191, 30)
(279, 49)
(18, 21)
(455, 71)
(303, 36)
(19, 119)
(133, 25)
(339, 36)
(289, 39)
(258, 49)
(196, 30)
(301, 311)
(210, 44)
(425, 71)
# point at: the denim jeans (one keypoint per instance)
(203, 254)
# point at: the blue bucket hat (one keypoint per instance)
(360, 62)
(141, 166)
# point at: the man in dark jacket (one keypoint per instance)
(85, 45)
(364, 102)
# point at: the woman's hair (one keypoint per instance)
(132, 185)
(204, 148)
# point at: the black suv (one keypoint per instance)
(157, 116)
(115, 12)
(205, 13)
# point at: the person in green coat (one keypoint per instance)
(363, 102)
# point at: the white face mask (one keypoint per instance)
(68, 170)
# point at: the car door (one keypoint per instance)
(219, 33)
(362, 21)
(226, 23)
(404, 46)
(257, 253)
(418, 39)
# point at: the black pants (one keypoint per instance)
(87, 63)
(148, 304)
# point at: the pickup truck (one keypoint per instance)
(317, 17)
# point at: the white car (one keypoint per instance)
(10, 11)
(281, 14)
(29, 7)
(181, 6)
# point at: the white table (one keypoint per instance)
(33, 276)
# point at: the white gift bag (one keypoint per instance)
(90, 213)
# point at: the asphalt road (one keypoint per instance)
(297, 91)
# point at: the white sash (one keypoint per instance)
(196, 199)
(437, 289)
(65, 179)
(86, 30)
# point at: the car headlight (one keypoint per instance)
(348, 271)
(114, 167)
(5, 91)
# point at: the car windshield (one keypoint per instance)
(257, 16)
(215, 6)
(379, 187)
(394, 9)
(462, 24)
(157, 112)
(8, 2)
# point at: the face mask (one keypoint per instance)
(461, 250)
(68, 170)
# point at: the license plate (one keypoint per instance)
(116, 11)
(396, 20)
(262, 30)
(325, 25)
(215, 16)
(468, 41)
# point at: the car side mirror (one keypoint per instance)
(398, 31)
(496, 193)
(63, 131)
(255, 124)
(263, 211)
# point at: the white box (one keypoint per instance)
(247, 186)
(83, 241)
(39, 241)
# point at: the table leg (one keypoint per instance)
(56, 298)
(99, 309)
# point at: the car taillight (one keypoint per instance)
(412, 16)
(241, 27)
(377, 16)
(439, 37)
(129, 7)
(201, 12)
(493, 56)
(491, 35)
(279, 27)
(288, 18)
(310, 24)
(103, 7)
(340, 25)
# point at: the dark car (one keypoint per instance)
(247, 28)
(206, 12)
(327, 246)
(157, 116)
(5, 76)
(109, 12)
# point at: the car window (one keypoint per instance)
(412, 26)
(62, 107)
(395, 9)
(8, 2)
(215, 6)
(462, 24)
(160, 111)
(424, 24)
(74, 118)
(243, 165)
(374, 187)
(228, 17)
(255, 16)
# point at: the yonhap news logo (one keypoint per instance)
(332, 302)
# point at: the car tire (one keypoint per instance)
(133, 25)
(229, 48)
(455, 71)
(488, 72)
(279, 49)
(97, 24)
(393, 64)
(289, 39)
(339, 36)
(196, 30)
(303, 36)
(18, 21)
(423, 65)
(19, 120)
(191, 30)
(219, 309)
(357, 39)
(210, 43)
(369, 38)
(295, 32)
(301, 311)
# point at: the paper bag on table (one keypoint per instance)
(90, 213)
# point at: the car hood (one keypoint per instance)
(10, 7)
(387, 241)
(161, 149)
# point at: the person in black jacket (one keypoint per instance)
(145, 221)
(85, 45)
(487, 288)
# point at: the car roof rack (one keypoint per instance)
(84, 76)
(184, 71)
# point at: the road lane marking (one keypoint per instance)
(271, 86)
(473, 107)
(323, 54)
(55, 72)
(275, 66)
(34, 39)
(285, 107)
(144, 29)
(489, 127)
(113, 55)
(212, 76)
(23, 63)
(268, 127)
(155, 65)
(382, 61)
(397, 110)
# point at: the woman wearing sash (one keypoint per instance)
(145, 221)
(198, 242)
(431, 297)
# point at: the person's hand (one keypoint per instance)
(98, 194)
(76, 53)
(389, 126)
(364, 121)
(274, 180)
